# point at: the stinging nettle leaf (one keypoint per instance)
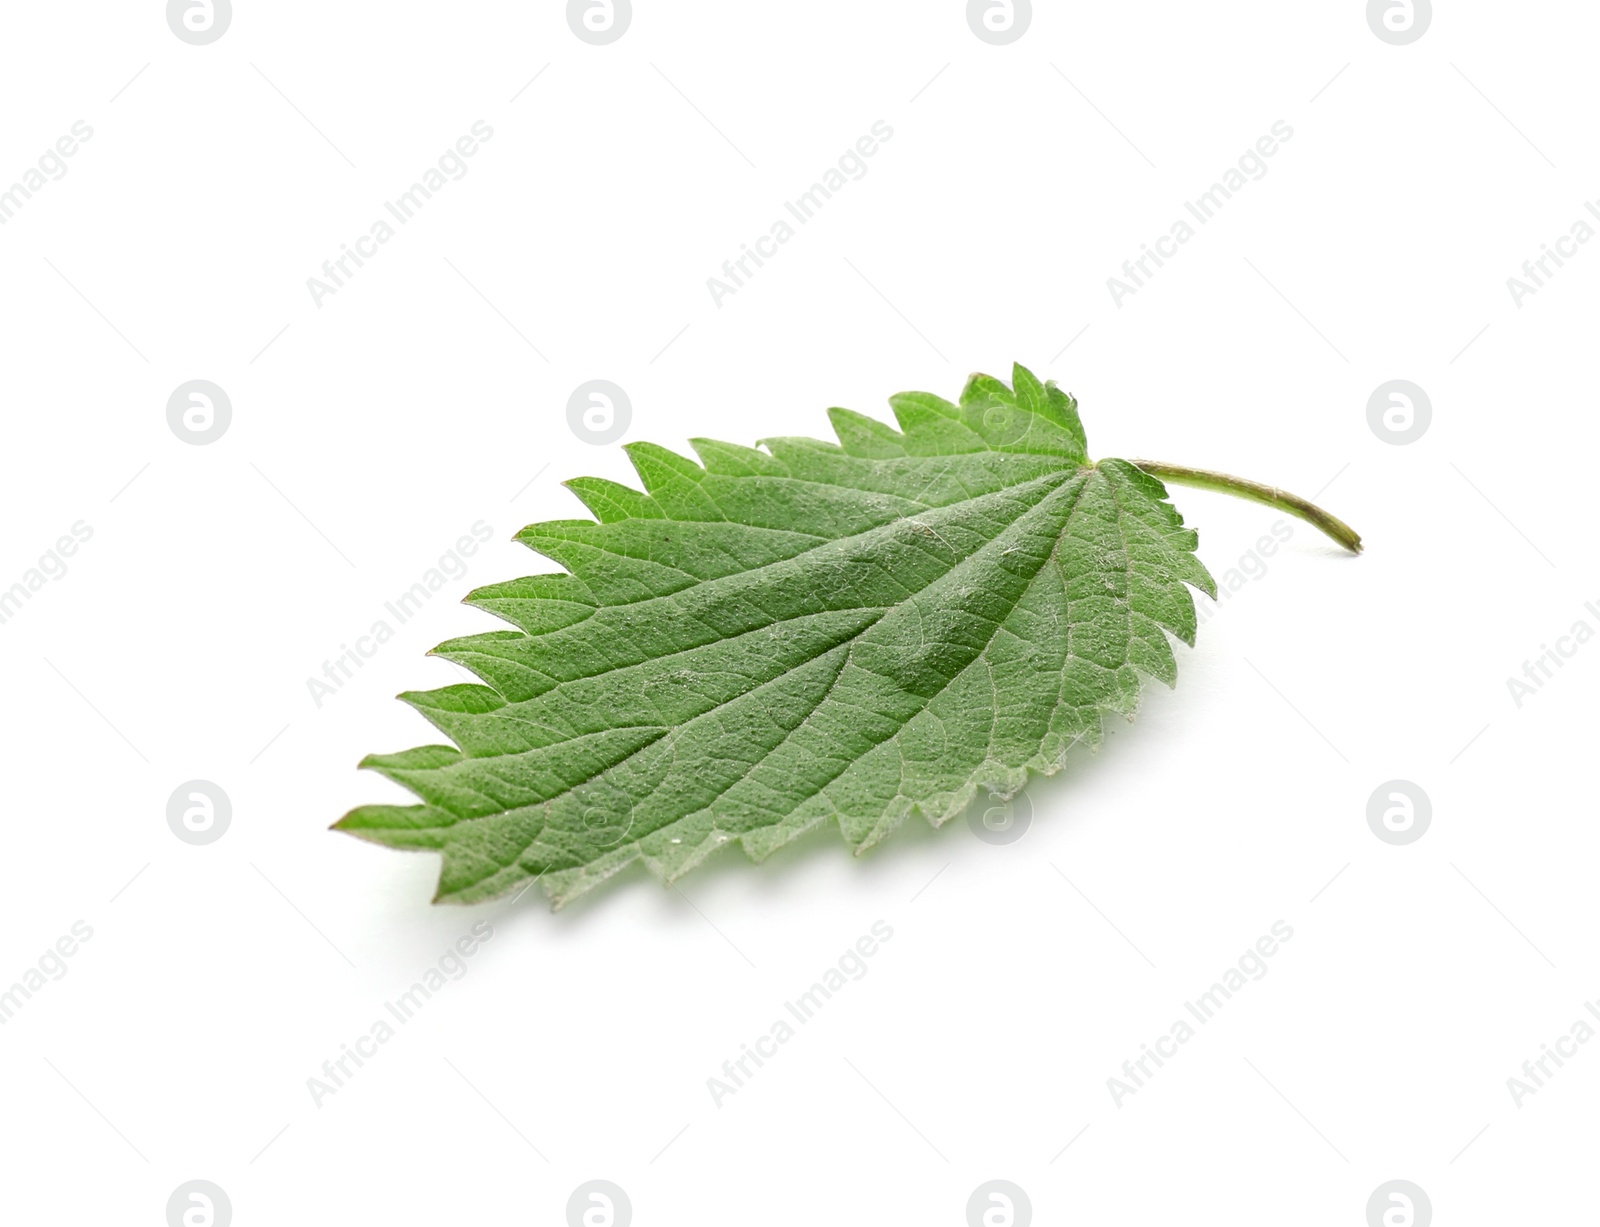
(771, 640)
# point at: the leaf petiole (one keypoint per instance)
(1256, 492)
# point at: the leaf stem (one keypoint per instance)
(1256, 492)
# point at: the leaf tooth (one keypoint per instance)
(1149, 650)
(536, 604)
(673, 481)
(438, 786)
(865, 437)
(1062, 408)
(501, 658)
(1027, 389)
(464, 698)
(462, 713)
(610, 501)
(983, 390)
(797, 449)
(929, 401)
(732, 460)
(613, 576)
(933, 426)
(410, 827)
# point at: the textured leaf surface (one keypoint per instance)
(770, 640)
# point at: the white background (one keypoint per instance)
(427, 394)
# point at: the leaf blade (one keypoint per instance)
(854, 632)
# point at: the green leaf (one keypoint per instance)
(771, 640)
